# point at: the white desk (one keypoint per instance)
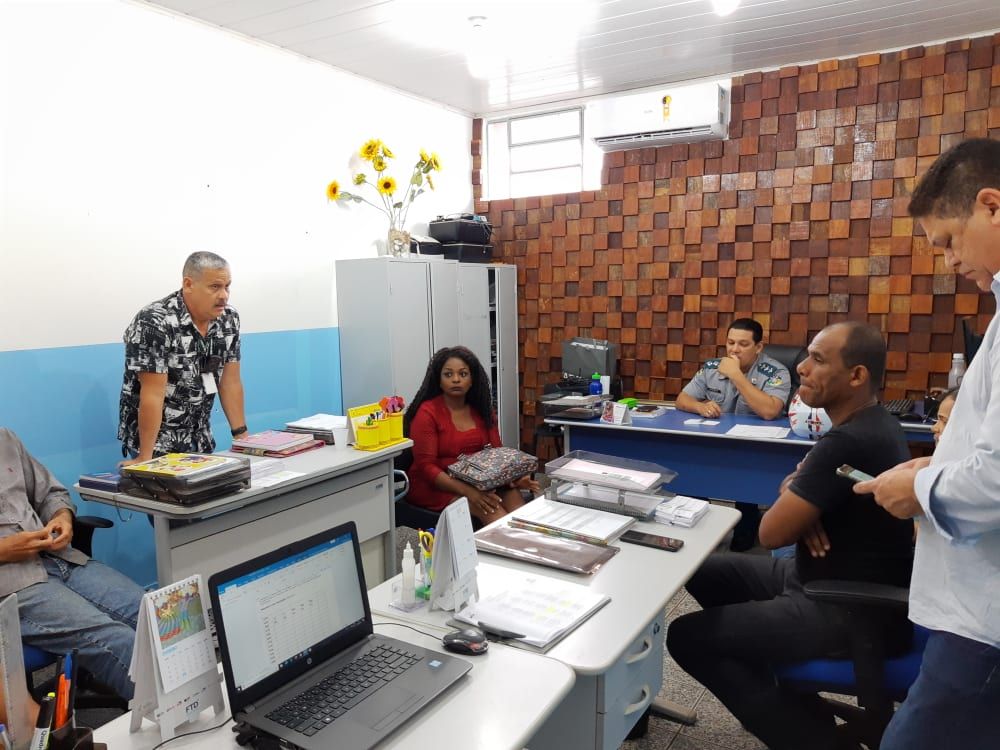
(617, 654)
(340, 484)
(496, 706)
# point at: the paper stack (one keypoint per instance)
(681, 511)
(320, 426)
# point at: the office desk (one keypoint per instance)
(617, 654)
(709, 462)
(340, 484)
(492, 708)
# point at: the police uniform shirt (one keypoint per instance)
(767, 374)
(164, 339)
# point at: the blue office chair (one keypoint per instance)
(36, 659)
(870, 673)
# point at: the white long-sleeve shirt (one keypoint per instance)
(956, 570)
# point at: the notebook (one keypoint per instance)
(299, 654)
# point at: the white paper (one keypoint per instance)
(611, 476)
(320, 422)
(706, 422)
(584, 521)
(542, 609)
(181, 639)
(276, 478)
(758, 431)
(453, 563)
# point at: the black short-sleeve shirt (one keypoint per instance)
(866, 543)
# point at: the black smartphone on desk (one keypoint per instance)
(652, 540)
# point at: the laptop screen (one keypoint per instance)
(276, 616)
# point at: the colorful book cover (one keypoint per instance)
(180, 465)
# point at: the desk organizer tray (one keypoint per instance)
(187, 478)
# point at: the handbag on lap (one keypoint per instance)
(492, 467)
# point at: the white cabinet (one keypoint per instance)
(394, 313)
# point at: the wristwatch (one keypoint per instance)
(239, 430)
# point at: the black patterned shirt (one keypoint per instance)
(162, 338)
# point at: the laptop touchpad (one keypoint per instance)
(388, 703)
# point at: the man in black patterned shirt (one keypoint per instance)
(179, 352)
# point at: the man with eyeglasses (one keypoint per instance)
(179, 352)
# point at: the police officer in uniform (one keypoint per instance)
(745, 381)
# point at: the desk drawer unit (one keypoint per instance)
(630, 685)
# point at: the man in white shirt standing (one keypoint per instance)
(955, 495)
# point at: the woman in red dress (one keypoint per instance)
(452, 414)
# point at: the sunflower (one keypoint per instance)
(359, 178)
(435, 162)
(387, 153)
(371, 148)
(379, 163)
(386, 185)
(333, 191)
(424, 156)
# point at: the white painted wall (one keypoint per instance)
(130, 137)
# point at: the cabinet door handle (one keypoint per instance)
(647, 646)
(642, 703)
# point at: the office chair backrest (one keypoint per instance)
(790, 356)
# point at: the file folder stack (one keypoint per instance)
(681, 511)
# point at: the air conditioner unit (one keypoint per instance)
(656, 118)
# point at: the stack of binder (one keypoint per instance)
(275, 443)
(188, 478)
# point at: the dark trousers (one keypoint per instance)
(955, 702)
(755, 615)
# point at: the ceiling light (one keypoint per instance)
(724, 7)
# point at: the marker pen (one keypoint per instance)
(40, 739)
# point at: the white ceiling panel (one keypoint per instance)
(545, 51)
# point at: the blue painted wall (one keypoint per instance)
(63, 403)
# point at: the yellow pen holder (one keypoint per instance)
(367, 435)
(396, 425)
(383, 431)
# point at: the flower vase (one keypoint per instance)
(398, 243)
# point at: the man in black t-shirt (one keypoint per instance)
(755, 614)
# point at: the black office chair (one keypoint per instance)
(551, 432)
(790, 356)
(876, 674)
(37, 661)
(971, 338)
(408, 514)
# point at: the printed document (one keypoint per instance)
(595, 524)
(608, 476)
(757, 431)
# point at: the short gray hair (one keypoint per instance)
(197, 263)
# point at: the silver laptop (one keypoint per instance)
(299, 654)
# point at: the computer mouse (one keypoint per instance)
(467, 641)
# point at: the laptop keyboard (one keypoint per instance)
(899, 406)
(327, 701)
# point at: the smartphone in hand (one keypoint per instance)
(849, 472)
(652, 540)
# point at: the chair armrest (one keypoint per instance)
(93, 522)
(858, 592)
(401, 484)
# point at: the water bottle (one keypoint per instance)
(595, 384)
(957, 371)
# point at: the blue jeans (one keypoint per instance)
(89, 607)
(955, 702)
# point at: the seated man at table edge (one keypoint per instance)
(179, 352)
(65, 599)
(755, 614)
(451, 415)
(745, 381)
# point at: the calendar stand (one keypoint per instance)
(173, 661)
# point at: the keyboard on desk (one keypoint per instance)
(899, 406)
(328, 700)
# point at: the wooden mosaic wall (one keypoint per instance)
(798, 220)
